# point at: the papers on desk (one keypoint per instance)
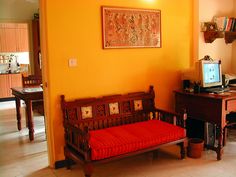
(224, 94)
(33, 89)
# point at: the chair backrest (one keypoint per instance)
(31, 81)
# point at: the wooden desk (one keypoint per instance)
(207, 107)
(28, 95)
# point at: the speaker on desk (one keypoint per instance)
(186, 84)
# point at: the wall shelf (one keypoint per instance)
(210, 36)
(230, 37)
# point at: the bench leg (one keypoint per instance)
(88, 169)
(68, 163)
(67, 159)
(183, 147)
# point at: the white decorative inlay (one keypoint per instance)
(114, 108)
(86, 112)
(138, 105)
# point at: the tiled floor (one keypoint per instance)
(21, 158)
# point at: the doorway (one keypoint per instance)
(16, 149)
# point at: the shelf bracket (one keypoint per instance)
(210, 36)
(230, 37)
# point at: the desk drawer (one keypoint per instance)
(231, 105)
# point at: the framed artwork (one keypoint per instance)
(130, 28)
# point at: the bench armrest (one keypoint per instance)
(78, 139)
(172, 117)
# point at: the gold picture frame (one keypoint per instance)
(130, 27)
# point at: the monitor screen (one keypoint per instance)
(211, 73)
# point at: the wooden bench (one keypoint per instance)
(98, 130)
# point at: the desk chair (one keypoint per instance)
(231, 123)
(231, 119)
(34, 81)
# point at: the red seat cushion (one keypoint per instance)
(119, 140)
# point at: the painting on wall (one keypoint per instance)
(131, 28)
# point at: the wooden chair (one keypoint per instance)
(34, 81)
(31, 81)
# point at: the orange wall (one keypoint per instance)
(73, 30)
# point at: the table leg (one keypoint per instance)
(29, 118)
(219, 150)
(18, 115)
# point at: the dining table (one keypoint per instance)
(28, 95)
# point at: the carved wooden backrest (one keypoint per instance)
(31, 81)
(107, 111)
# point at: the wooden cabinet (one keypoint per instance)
(210, 36)
(8, 37)
(7, 81)
(14, 37)
(36, 47)
(22, 40)
(15, 80)
(4, 85)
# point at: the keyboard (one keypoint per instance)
(216, 90)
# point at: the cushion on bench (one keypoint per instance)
(119, 140)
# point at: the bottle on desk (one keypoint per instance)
(196, 88)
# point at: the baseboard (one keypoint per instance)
(7, 99)
(62, 164)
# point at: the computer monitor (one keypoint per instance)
(210, 73)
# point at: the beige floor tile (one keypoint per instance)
(21, 158)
